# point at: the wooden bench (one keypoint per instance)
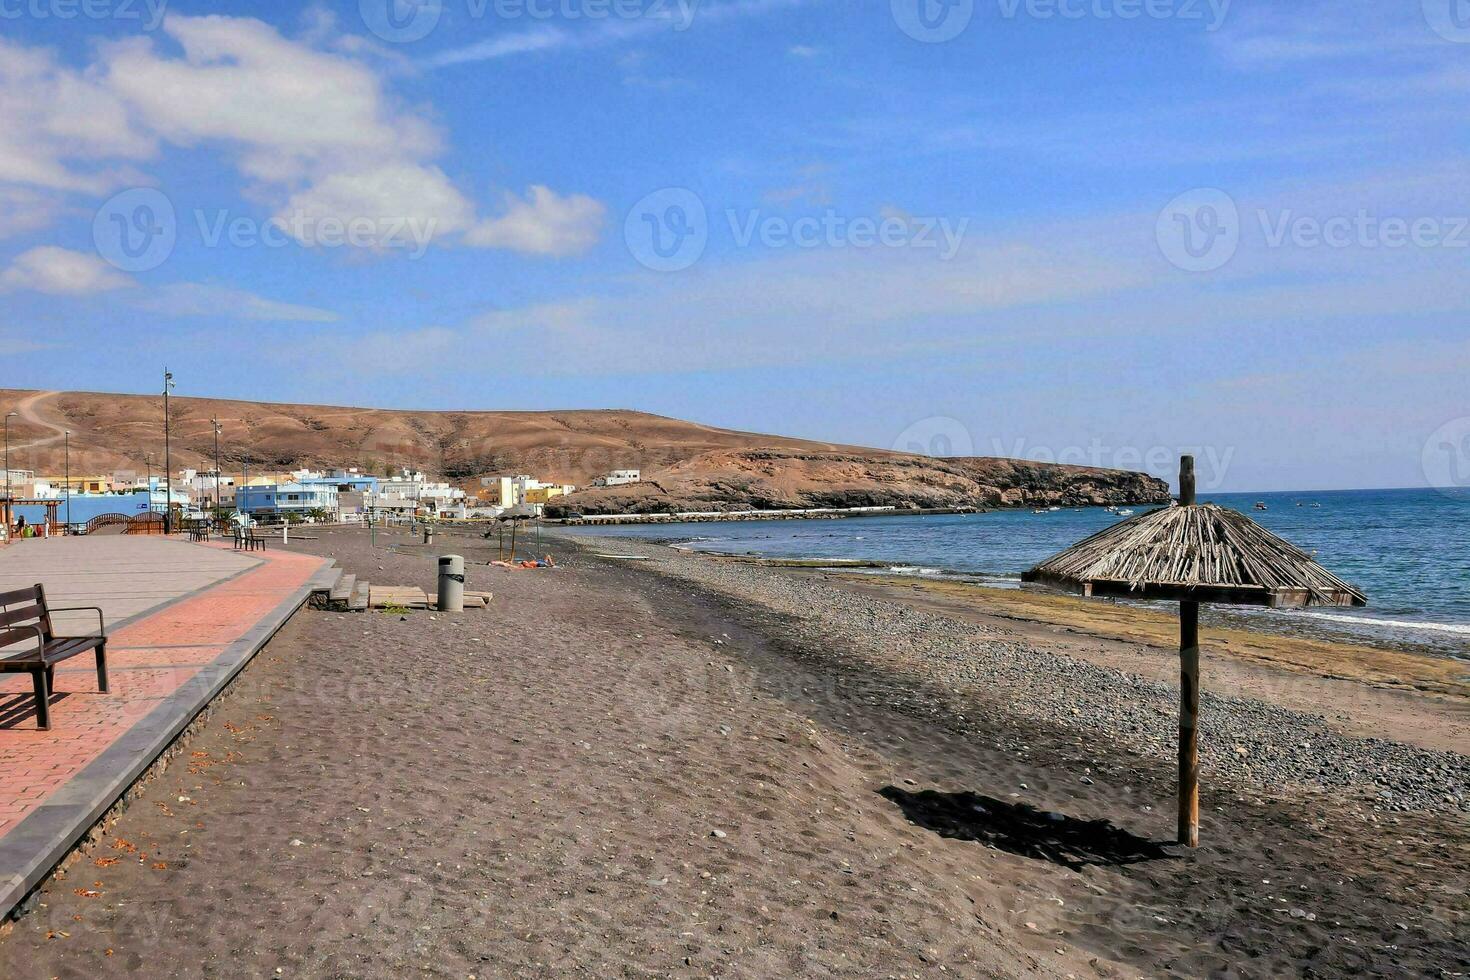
(26, 619)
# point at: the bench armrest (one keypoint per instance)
(101, 626)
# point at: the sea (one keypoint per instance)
(1408, 550)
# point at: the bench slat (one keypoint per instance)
(59, 650)
(7, 637)
(30, 594)
(54, 653)
(22, 615)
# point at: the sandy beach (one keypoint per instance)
(693, 767)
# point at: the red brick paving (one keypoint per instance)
(147, 660)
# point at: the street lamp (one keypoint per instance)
(8, 417)
(216, 424)
(9, 502)
(67, 450)
(168, 479)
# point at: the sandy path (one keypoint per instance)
(26, 408)
(535, 790)
(525, 791)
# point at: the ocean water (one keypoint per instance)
(1409, 550)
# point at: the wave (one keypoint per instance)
(1462, 629)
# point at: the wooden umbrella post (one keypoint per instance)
(1188, 690)
(1188, 712)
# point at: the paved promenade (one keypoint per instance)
(182, 619)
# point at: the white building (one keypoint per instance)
(618, 478)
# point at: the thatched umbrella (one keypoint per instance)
(1194, 553)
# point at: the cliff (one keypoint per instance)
(783, 479)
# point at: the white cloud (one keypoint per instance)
(675, 16)
(542, 224)
(203, 299)
(62, 272)
(292, 112)
(310, 124)
(23, 210)
(401, 205)
(50, 116)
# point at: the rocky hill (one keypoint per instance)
(779, 479)
(117, 431)
(688, 466)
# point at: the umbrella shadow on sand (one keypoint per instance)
(1024, 830)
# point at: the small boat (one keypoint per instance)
(1260, 505)
(1053, 509)
(1125, 512)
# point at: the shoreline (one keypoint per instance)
(1364, 631)
(805, 514)
(1363, 692)
(1415, 696)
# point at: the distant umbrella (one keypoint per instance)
(1193, 553)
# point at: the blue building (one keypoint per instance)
(351, 482)
(285, 499)
(85, 506)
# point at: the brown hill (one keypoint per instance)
(689, 466)
(117, 431)
(780, 479)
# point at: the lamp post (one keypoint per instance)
(215, 422)
(168, 481)
(8, 417)
(66, 443)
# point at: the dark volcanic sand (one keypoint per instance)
(536, 789)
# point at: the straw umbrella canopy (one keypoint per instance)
(1194, 553)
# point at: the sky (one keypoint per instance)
(1100, 231)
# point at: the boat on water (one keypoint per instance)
(1124, 512)
(1261, 505)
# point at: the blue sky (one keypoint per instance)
(1100, 230)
